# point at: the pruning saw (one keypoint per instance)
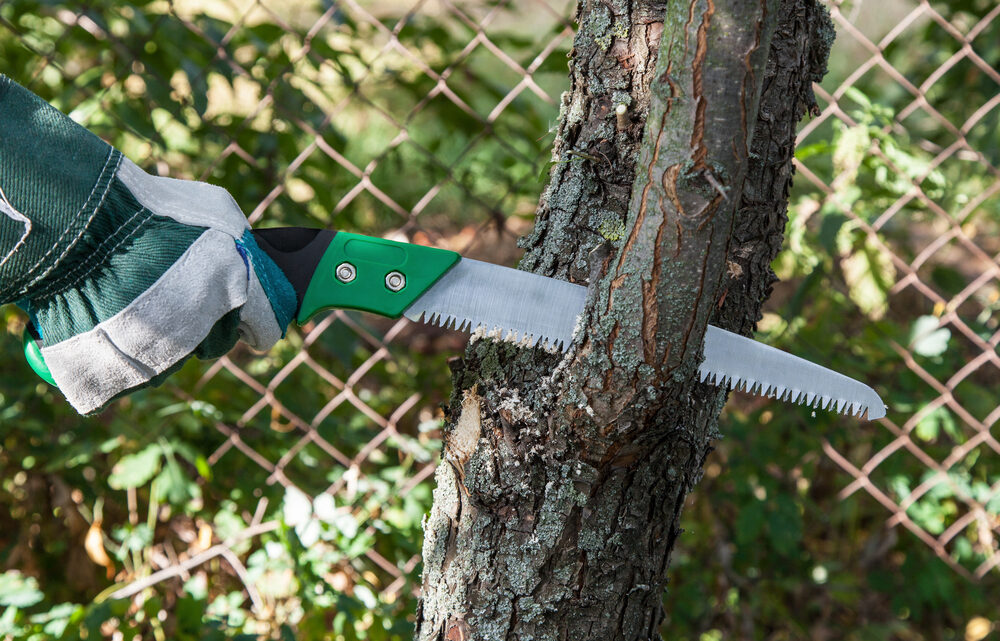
(343, 270)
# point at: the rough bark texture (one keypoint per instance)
(613, 61)
(563, 477)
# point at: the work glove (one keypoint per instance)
(125, 275)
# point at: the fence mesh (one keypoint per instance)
(407, 118)
(939, 232)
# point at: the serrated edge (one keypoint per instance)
(809, 399)
(496, 332)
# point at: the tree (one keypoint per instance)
(563, 478)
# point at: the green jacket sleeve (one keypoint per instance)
(53, 173)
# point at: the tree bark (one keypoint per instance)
(563, 476)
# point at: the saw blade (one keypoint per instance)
(533, 309)
(521, 306)
(744, 364)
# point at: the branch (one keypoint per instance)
(222, 549)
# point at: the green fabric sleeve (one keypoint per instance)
(53, 172)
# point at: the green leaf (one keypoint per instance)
(296, 508)
(859, 97)
(851, 146)
(993, 505)
(785, 525)
(929, 426)
(173, 485)
(830, 229)
(56, 619)
(325, 508)
(750, 521)
(868, 270)
(804, 152)
(927, 338)
(134, 538)
(8, 627)
(365, 595)
(19, 591)
(136, 469)
(204, 470)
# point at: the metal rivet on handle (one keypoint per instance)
(346, 272)
(395, 281)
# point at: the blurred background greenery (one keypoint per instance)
(281, 495)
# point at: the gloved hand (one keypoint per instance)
(125, 275)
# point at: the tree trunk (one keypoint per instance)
(563, 476)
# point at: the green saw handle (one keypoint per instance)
(330, 269)
(341, 270)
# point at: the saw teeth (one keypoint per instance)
(814, 400)
(736, 362)
(450, 321)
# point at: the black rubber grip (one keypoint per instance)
(297, 251)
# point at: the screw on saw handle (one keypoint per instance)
(33, 353)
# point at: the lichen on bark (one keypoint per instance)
(613, 59)
(563, 476)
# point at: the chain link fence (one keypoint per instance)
(429, 121)
(924, 230)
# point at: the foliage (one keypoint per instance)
(771, 549)
(292, 119)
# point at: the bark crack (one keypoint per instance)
(701, 103)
